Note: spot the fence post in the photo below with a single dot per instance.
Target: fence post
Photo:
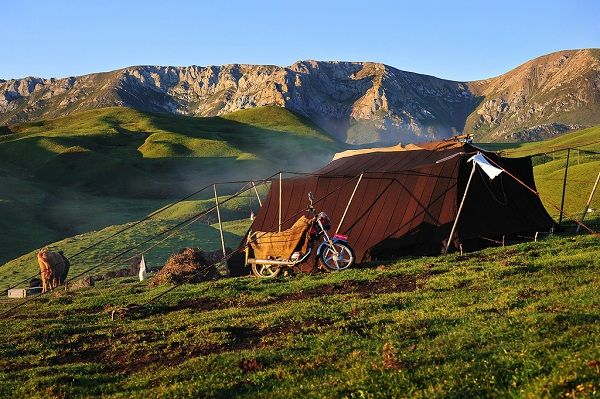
(562, 201)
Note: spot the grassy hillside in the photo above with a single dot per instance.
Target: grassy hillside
(202, 233)
(519, 321)
(98, 168)
(579, 138)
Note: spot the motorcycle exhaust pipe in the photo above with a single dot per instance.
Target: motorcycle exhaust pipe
(270, 262)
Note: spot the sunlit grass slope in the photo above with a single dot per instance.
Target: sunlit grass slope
(109, 166)
(520, 321)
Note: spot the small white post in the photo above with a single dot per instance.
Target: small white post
(256, 192)
(142, 274)
(460, 208)
(588, 203)
(348, 205)
(219, 218)
(280, 190)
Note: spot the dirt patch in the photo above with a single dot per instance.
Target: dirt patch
(383, 285)
(365, 289)
(250, 365)
(132, 351)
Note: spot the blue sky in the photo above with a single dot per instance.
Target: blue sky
(460, 40)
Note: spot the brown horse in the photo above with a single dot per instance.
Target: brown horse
(54, 267)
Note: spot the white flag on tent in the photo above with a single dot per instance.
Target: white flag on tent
(487, 167)
(143, 272)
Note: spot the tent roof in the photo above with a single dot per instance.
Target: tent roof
(392, 161)
(433, 145)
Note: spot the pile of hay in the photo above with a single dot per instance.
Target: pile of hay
(189, 264)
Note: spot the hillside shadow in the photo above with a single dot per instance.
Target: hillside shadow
(265, 142)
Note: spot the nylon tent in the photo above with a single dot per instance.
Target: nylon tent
(407, 200)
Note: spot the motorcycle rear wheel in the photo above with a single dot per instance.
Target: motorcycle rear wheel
(345, 257)
(265, 271)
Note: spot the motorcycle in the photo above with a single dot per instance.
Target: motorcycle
(334, 253)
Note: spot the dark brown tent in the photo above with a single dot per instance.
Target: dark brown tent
(407, 201)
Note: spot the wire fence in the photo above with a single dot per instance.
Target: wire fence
(567, 177)
(239, 202)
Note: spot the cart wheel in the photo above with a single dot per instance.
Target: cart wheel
(344, 259)
(265, 271)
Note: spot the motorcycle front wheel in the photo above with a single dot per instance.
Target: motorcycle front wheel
(265, 271)
(344, 259)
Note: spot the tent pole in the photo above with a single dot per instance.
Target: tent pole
(589, 202)
(348, 205)
(562, 201)
(219, 217)
(280, 184)
(462, 202)
(256, 192)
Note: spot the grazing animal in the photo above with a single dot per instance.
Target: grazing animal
(53, 268)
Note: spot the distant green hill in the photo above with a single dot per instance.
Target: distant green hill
(103, 167)
(588, 139)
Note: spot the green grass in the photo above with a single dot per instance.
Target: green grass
(520, 321)
(109, 166)
(202, 233)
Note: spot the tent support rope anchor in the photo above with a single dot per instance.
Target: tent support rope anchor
(280, 190)
(462, 202)
(589, 202)
(219, 218)
(349, 202)
(256, 192)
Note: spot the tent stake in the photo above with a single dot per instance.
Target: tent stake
(256, 192)
(280, 184)
(348, 205)
(562, 201)
(219, 217)
(589, 202)
(462, 202)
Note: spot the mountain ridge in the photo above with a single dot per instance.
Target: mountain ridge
(356, 102)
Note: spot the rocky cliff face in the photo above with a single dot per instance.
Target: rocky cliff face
(543, 97)
(356, 102)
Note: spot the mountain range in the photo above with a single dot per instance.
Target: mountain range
(357, 103)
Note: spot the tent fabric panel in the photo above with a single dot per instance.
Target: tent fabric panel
(368, 195)
(500, 206)
(372, 206)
